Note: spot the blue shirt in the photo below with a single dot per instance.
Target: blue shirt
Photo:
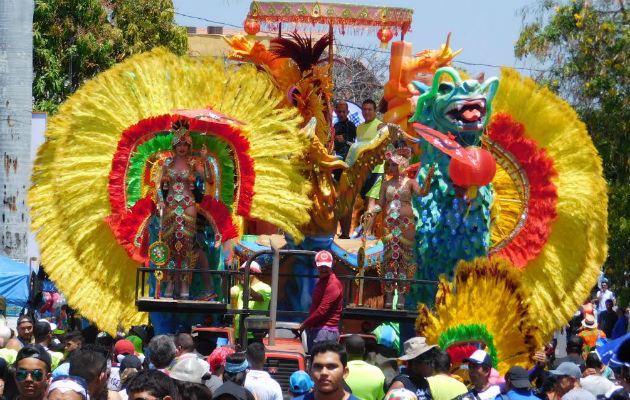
(311, 396)
(518, 394)
(620, 328)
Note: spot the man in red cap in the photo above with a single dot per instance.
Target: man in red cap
(122, 348)
(325, 312)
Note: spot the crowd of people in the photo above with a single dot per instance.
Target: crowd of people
(164, 367)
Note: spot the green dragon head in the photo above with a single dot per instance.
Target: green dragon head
(462, 108)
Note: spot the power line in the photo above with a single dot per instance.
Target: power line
(363, 48)
(207, 20)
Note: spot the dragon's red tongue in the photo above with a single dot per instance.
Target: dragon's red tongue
(471, 114)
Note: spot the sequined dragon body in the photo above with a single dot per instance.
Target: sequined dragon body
(451, 226)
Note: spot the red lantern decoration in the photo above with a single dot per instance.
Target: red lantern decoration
(479, 174)
(385, 35)
(252, 27)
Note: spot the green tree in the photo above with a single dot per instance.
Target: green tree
(74, 40)
(586, 47)
(149, 23)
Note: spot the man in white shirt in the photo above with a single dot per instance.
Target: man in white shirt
(479, 368)
(258, 381)
(603, 295)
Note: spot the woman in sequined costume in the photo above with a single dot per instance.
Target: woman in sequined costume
(179, 208)
(395, 198)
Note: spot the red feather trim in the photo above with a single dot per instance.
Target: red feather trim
(145, 130)
(131, 138)
(133, 224)
(460, 352)
(219, 216)
(538, 166)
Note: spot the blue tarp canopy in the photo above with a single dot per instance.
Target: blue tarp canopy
(14, 281)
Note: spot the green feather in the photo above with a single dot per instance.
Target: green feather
(218, 151)
(137, 163)
(469, 333)
(221, 151)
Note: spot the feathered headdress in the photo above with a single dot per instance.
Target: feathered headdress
(399, 156)
(485, 307)
(300, 49)
(179, 129)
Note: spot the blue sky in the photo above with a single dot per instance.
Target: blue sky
(485, 29)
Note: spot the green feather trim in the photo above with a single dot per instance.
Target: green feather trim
(469, 333)
(137, 163)
(222, 153)
(218, 151)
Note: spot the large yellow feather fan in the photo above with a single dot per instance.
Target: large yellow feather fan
(69, 197)
(567, 245)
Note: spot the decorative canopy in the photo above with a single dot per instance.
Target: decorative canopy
(338, 15)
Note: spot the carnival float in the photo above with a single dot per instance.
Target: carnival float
(173, 164)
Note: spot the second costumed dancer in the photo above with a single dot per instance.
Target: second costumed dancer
(400, 229)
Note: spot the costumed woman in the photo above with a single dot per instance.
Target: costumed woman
(178, 210)
(400, 229)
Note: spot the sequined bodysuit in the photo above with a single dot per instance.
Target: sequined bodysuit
(399, 259)
(179, 225)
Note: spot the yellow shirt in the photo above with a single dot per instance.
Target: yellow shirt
(365, 380)
(443, 387)
(236, 293)
(368, 130)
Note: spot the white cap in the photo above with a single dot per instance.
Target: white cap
(254, 267)
(480, 357)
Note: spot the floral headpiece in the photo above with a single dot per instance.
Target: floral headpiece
(180, 132)
(399, 156)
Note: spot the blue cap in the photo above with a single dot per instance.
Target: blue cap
(61, 370)
(300, 382)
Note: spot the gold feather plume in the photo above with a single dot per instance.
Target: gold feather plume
(563, 273)
(69, 196)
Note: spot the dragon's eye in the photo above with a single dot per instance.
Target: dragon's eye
(445, 87)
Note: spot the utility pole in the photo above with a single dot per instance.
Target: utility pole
(16, 76)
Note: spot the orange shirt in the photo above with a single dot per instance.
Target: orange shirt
(590, 337)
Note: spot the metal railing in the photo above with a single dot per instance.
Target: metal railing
(228, 280)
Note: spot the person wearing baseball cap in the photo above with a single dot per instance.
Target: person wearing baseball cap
(300, 383)
(32, 372)
(517, 384)
(479, 369)
(122, 348)
(259, 293)
(24, 333)
(567, 385)
(325, 312)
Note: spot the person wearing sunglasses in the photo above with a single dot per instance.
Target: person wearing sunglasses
(32, 372)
